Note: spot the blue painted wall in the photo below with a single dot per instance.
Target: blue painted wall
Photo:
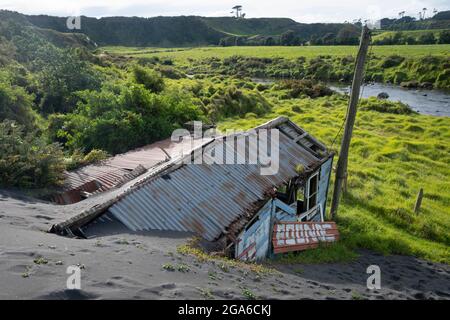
(254, 243)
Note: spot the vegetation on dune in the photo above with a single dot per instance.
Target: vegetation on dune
(122, 116)
(228, 31)
(27, 160)
(438, 21)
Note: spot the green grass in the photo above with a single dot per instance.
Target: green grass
(391, 158)
(183, 54)
(413, 33)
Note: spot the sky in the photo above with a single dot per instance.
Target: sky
(306, 11)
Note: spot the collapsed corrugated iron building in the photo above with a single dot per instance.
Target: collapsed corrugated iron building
(233, 205)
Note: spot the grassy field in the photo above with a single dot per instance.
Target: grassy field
(391, 158)
(413, 33)
(183, 54)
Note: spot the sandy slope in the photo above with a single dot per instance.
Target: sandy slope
(124, 265)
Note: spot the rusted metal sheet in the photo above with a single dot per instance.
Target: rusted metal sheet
(207, 198)
(210, 200)
(119, 169)
(297, 236)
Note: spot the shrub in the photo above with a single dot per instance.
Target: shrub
(170, 72)
(400, 77)
(385, 106)
(443, 79)
(16, 104)
(26, 160)
(444, 37)
(230, 101)
(298, 88)
(427, 38)
(392, 61)
(151, 80)
(119, 121)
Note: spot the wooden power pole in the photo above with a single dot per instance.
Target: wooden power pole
(341, 170)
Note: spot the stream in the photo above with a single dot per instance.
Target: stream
(432, 102)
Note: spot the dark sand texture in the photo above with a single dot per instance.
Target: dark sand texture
(117, 264)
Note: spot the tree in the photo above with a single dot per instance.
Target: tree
(444, 37)
(427, 38)
(269, 41)
(61, 73)
(287, 38)
(348, 35)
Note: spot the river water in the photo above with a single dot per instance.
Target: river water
(433, 102)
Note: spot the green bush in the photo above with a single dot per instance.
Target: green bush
(443, 79)
(230, 101)
(78, 158)
(26, 160)
(392, 61)
(16, 104)
(400, 76)
(151, 80)
(121, 117)
(297, 88)
(385, 106)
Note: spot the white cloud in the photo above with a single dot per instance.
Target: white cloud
(302, 11)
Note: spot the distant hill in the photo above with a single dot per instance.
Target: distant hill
(13, 24)
(20, 40)
(441, 20)
(191, 30)
(183, 31)
(134, 31)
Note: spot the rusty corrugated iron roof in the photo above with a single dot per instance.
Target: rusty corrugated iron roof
(121, 168)
(207, 198)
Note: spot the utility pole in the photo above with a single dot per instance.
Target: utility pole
(341, 170)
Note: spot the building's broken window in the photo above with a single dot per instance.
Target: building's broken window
(312, 191)
(301, 200)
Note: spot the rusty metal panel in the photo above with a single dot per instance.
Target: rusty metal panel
(121, 168)
(297, 236)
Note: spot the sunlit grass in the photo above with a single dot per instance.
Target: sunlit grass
(184, 54)
(391, 158)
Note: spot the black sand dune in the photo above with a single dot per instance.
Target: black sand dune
(116, 264)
